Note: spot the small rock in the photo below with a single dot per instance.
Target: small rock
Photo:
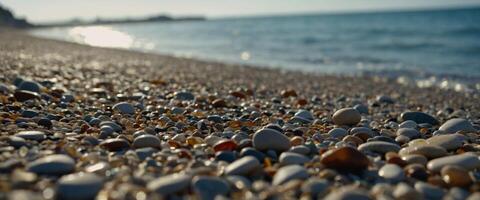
(57, 164)
(449, 141)
(315, 187)
(242, 166)
(338, 133)
(404, 192)
(290, 158)
(385, 99)
(419, 118)
(408, 124)
(208, 187)
(169, 184)
(345, 158)
(346, 116)
(468, 161)
(303, 116)
(115, 144)
(348, 193)
(32, 135)
(429, 151)
(16, 142)
(31, 86)
(408, 132)
(429, 191)
(124, 108)
(457, 124)
(270, 139)
(23, 95)
(362, 109)
(184, 96)
(146, 140)
(79, 186)
(288, 173)
(456, 176)
(379, 147)
(392, 173)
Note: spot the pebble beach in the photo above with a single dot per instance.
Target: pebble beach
(80, 122)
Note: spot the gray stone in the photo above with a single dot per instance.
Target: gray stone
(303, 116)
(427, 150)
(208, 187)
(468, 161)
(379, 147)
(429, 191)
(346, 116)
(57, 164)
(457, 124)
(419, 118)
(392, 173)
(124, 108)
(338, 133)
(16, 142)
(290, 158)
(288, 173)
(169, 184)
(408, 124)
(79, 186)
(449, 141)
(348, 193)
(184, 96)
(242, 166)
(31, 135)
(31, 86)
(270, 139)
(408, 132)
(146, 140)
(315, 187)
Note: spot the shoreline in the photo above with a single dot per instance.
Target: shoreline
(119, 124)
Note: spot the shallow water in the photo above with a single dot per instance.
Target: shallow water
(419, 44)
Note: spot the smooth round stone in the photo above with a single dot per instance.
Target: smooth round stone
(29, 113)
(184, 96)
(457, 194)
(115, 144)
(45, 122)
(290, 158)
(242, 166)
(249, 151)
(361, 130)
(345, 159)
(288, 173)
(108, 130)
(303, 116)
(57, 164)
(415, 158)
(392, 173)
(145, 152)
(225, 145)
(346, 116)
(408, 132)
(379, 147)
(405, 192)
(429, 151)
(429, 191)
(169, 184)
(270, 139)
(348, 193)
(408, 124)
(16, 142)
(338, 133)
(449, 142)
(401, 139)
(31, 135)
(457, 124)
(115, 126)
(31, 86)
(208, 187)
(239, 182)
(469, 161)
(419, 118)
(315, 187)
(227, 156)
(300, 149)
(79, 186)
(146, 140)
(385, 99)
(456, 176)
(23, 95)
(124, 108)
(362, 109)
(417, 142)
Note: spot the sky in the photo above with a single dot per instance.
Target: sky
(39, 11)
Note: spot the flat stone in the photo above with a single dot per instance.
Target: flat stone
(16, 142)
(115, 126)
(379, 147)
(79, 186)
(184, 96)
(408, 132)
(146, 140)
(468, 161)
(315, 187)
(57, 164)
(303, 116)
(31, 135)
(429, 191)
(457, 124)
(338, 133)
(449, 141)
(124, 108)
(456, 176)
(419, 117)
(405, 191)
(270, 139)
(345, 159)
(348, 193)
(288, 173)
(392, 173)
(290, 158)
(300, 149)
(429, 151)
(362, 109)
(23, 95)
(242, 166)
(115, 144)
(31, 86)
(208, 187)
(346, 116)
(415, 158)
(408, 124)
(169, 184)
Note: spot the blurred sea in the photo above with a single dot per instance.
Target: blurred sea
(427, 48)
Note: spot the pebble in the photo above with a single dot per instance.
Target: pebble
(429, 151)
(56, 164)
(303, 116)
(415, 158)
(315, 187)
(468, 161)
(345, 158)
(184, 96)
(449, 141)
(288, 173)
(169, 184)
(429, 191)
(290, 158)
(16, 141)
(456, 176)
(408, 124)
(208, 187)
(346, 116)
(457, 124)
(124, 108)
(408, 132)
(146, 140)
(23, 95)
(379, 147)
(242, 166)
(31, 135)
(79, 186)
(405, 192)
(338, 133)
(349, 193)
(419, 117)
(115, 144)
(270, 139)
(362, 109)
(31, 86)
(392, 173)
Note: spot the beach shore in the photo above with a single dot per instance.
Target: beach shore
(200, 112)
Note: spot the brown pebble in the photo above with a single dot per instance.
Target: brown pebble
(225, 145)
(219, 103)
(23, 95)
(345, 159)
(456, 176)
(288, 93)
(115, 144)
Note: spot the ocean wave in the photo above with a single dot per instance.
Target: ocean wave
(464, 31)
(406, 46)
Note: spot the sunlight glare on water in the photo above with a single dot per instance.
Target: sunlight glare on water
(101, 36)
